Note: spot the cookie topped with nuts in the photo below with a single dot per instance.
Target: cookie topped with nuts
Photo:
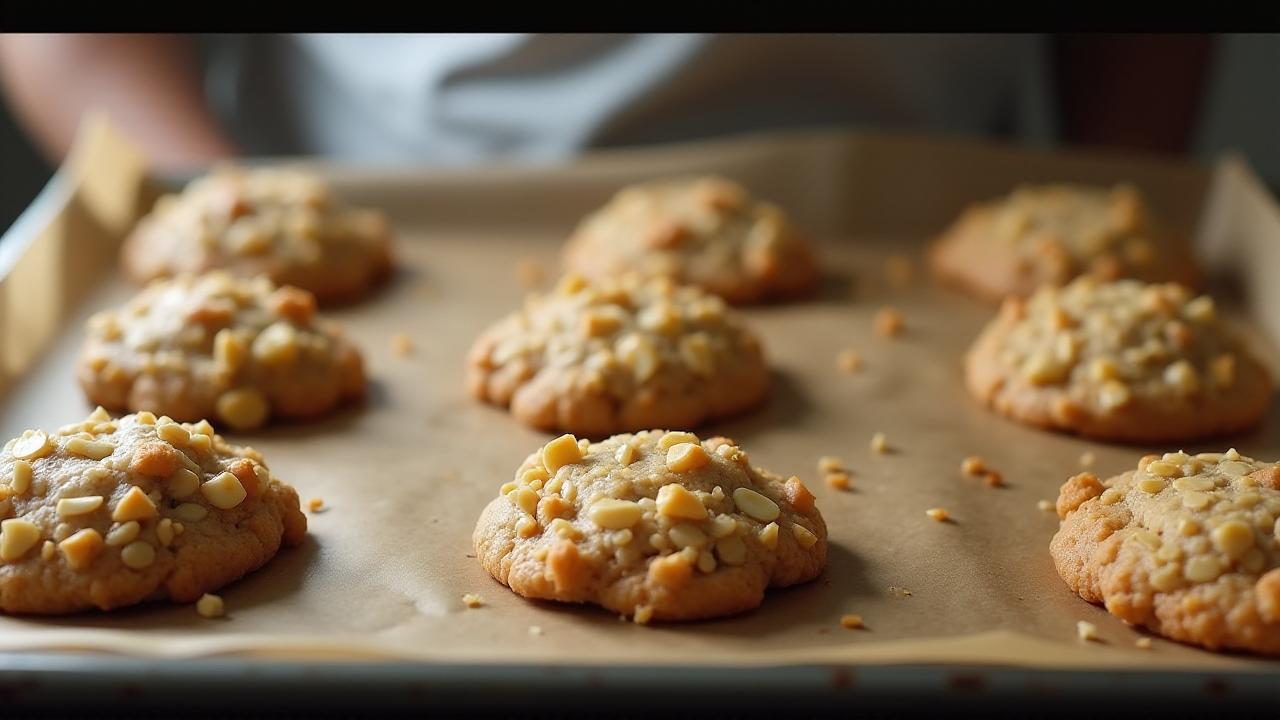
(1185, 545)
(284, 223)
(621, 355)
(107, 513)
(215, 346)
(1122, 360)
(656, 526)
(1051, 234)
(705, 231)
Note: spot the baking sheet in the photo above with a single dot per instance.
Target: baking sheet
(404, 477)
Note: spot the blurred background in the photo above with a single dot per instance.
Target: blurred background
(455, 100)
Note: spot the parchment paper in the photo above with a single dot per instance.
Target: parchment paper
(405, 476)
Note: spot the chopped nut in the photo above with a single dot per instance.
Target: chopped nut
(706, 563)
(164, 532)
(1233, 538)
(48, 551)
(123, 534)
(527, 527)
(183, 483)
(879, 443)
(769, 535)
(472, 600)
(315, 504)
(614, 514)
(684, 535)
(722, 526)
(92, 449)
(33, 445)
(839, 481)
(830, 464)
(889, 322)
(851, 621)
(1044, 505)
(562, 451)
(276, 345)
(535, 630)
(804, 535)
(671, 439)
(174, 434)
(755, 505)
(81, 548)
(243, 408)
(210, 606)
(1142, 643)
(135, 505)
(973, 466)
(71, 507)
(731, 550)
(643, 614)
(677, 502)
(138, 555)
(1087, 459)
(686, 457)
(17, 536)
(224, 491)
(849, 361)
(992, 478)
(1087, 631)
(938, 514)
(21, 480)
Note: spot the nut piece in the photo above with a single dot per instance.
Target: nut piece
(81, 548)
(889, 322)
(1142, 643)
(17, 536)
(92, 449)
(123, 534)
(224, 491)
(677, 502)
(839, 481)
(243, 408)
(135, 505)
(1087, 631)
(210, 606)
(804, 536)
(849, 361)
(617, 514)
(851, 621)
(671, 439)
(769, 536)
(755, 505)
(190, 512)
(879, 443)
(138, 555)
(973, 466)
(562, 451)
(71, 507)
(33, 445)
(472, 600)
(938, 514)
(21, 480)
(686, 457)
(315, 504)
(183, 483)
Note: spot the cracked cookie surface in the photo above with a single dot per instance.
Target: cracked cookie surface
(107, 513)
(656, 526)
(1122, 360)
(284, 223)
(1186, 545)
(619, 355)
(1050, 234)
(705, 231)
(236, 351)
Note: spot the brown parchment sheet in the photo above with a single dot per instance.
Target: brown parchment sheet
(405, 476)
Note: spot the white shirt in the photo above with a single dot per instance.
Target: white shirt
(464, 99)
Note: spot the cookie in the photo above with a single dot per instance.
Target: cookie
(657, 526)
(236, 351)
(1122, 360)
(107, 513)
(1184, 545)
(1051, 234)
(705, 231)
(283, 223)
(618, 356)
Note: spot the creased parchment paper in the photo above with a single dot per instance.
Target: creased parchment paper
(405, 476)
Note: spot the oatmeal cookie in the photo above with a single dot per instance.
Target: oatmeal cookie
(1051, 234)
(107, 513)
(705, 231)
(657, 526)
(1122, 360)
(283, 223)
(618, 356)
(233, 350)
(1186, 545)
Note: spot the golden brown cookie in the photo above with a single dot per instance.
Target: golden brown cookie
(657, 525)
(107, 513)
(705, 231)
(237, 351)
(1123, 360)
(1185, 545)
(1051, 234)
(620, 355)
(283, 223)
